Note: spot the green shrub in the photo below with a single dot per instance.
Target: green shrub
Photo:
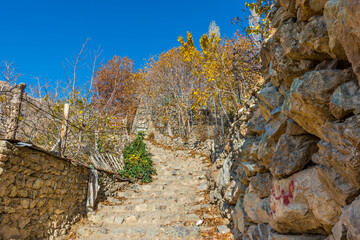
(137, 160)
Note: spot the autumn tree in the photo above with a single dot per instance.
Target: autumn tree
(115, 87)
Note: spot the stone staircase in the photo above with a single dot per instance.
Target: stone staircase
(173, 206)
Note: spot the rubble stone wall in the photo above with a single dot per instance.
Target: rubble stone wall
(41, 195)
(291, 167)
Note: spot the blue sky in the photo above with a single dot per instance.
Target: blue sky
(39, 35)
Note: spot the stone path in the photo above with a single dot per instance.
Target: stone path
(174, 206)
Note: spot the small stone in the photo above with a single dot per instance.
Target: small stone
(198, 223)
(223, 229)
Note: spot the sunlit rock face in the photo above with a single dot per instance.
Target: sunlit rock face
(298, 174)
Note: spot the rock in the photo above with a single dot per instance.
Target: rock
(240, 218)
(290, 33)
(294, 129)
(307, 102)
(261, 184)
(269, 98)
(280, 16)
(300, 204)
(286, 69)
(338, 149)
(343, 24)
(349, 225)
(290, 6)
(266, 150)
(277, 236)
(276, 124)
(345, 100)
(234, 191)
(257, 209)
(259, 232)
(223, 229)
(315, 36)
(256, 125)
(309, 8)
(337, 187)
(292, 154)
(224, 178)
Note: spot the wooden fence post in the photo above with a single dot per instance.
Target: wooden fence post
(14, 111)
(63, 133)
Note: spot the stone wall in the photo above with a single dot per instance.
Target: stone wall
(41, 195)
(291, 167)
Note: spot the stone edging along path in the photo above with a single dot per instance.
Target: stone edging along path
(174, 206)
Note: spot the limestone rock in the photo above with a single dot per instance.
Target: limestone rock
(292, 154)
(343, 23)
(315, 36)
(300, 204)
(261, 184)
(307, 102)
(349, 225)
(256, 208)
(345, 100)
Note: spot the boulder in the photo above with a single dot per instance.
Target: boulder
(261, 184)
(337, 187)
(287, 69)
(292, 154)
(349, 225)
(240, 218)
(277, 236)
(234, 191)
(276, 124)
(266, 150)
(257, 209)
(269, 98)
(294, 129)
(290, 6)
(314, 35)
(339, 148)
(343, 24)
(280, 16)
(307, 102)
(299, 204)
(256, 125)
(346, 100)
(225, 175)
(308, 8)
(290, 33)
(259, 231)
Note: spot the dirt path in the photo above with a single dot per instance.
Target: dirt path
(174, 206)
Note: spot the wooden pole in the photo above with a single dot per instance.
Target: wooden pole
(15, 106)
(64, 129)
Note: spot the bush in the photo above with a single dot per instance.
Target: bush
(137, 160)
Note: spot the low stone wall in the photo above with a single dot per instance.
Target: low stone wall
(41, 195)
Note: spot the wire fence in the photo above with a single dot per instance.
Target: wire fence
(83, 133)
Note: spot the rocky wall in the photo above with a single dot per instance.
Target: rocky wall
(41, 195)
(291, 167)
